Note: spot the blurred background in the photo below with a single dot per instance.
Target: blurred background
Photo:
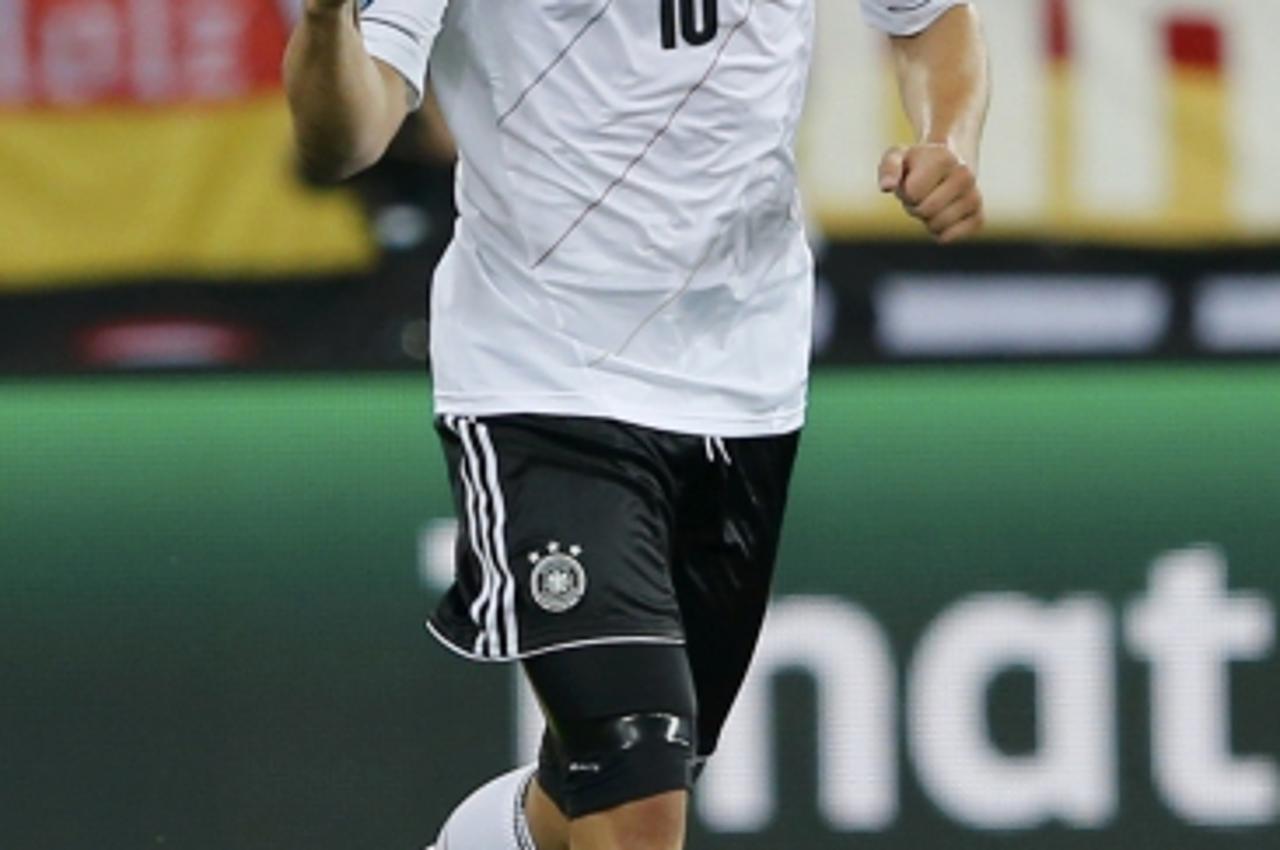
(1028, 587)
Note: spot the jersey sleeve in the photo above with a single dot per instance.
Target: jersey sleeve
(401, 33)
(905, 17)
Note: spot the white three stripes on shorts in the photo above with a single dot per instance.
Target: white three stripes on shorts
(494, 609)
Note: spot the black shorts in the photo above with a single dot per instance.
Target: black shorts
(586, 532)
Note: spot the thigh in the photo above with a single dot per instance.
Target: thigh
(564, 540)
(726, 544)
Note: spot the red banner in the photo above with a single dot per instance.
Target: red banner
(69, 53)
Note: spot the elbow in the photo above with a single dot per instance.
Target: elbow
(341, 122)
(326, 166)
(329, 151)
(330, 144)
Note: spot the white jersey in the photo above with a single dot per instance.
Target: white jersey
(630, 243)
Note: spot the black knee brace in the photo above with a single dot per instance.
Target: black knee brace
(591, 766)
(620, 725)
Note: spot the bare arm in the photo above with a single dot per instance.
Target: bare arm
(346, 106)
(943, 77)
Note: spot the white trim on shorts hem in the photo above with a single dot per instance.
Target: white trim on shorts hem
(556, 647)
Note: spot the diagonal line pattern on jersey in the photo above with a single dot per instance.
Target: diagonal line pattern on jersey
(560, 57)
(661, 131)
(657, 311)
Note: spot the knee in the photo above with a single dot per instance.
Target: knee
(653, 823)
(657, 821)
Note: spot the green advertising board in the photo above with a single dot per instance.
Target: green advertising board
(1020, 606)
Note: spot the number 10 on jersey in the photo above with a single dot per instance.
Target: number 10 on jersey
(695, 29)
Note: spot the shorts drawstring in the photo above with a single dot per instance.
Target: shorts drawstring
(717, 450)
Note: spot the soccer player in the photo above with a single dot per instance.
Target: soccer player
(620, 346)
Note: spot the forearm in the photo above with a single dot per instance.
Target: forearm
(344, 105)
(944, 80)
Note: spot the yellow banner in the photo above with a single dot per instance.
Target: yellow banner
(110, 194)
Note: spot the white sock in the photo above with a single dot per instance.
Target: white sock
(492, 818)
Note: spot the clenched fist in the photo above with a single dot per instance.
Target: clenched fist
(935, 186)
